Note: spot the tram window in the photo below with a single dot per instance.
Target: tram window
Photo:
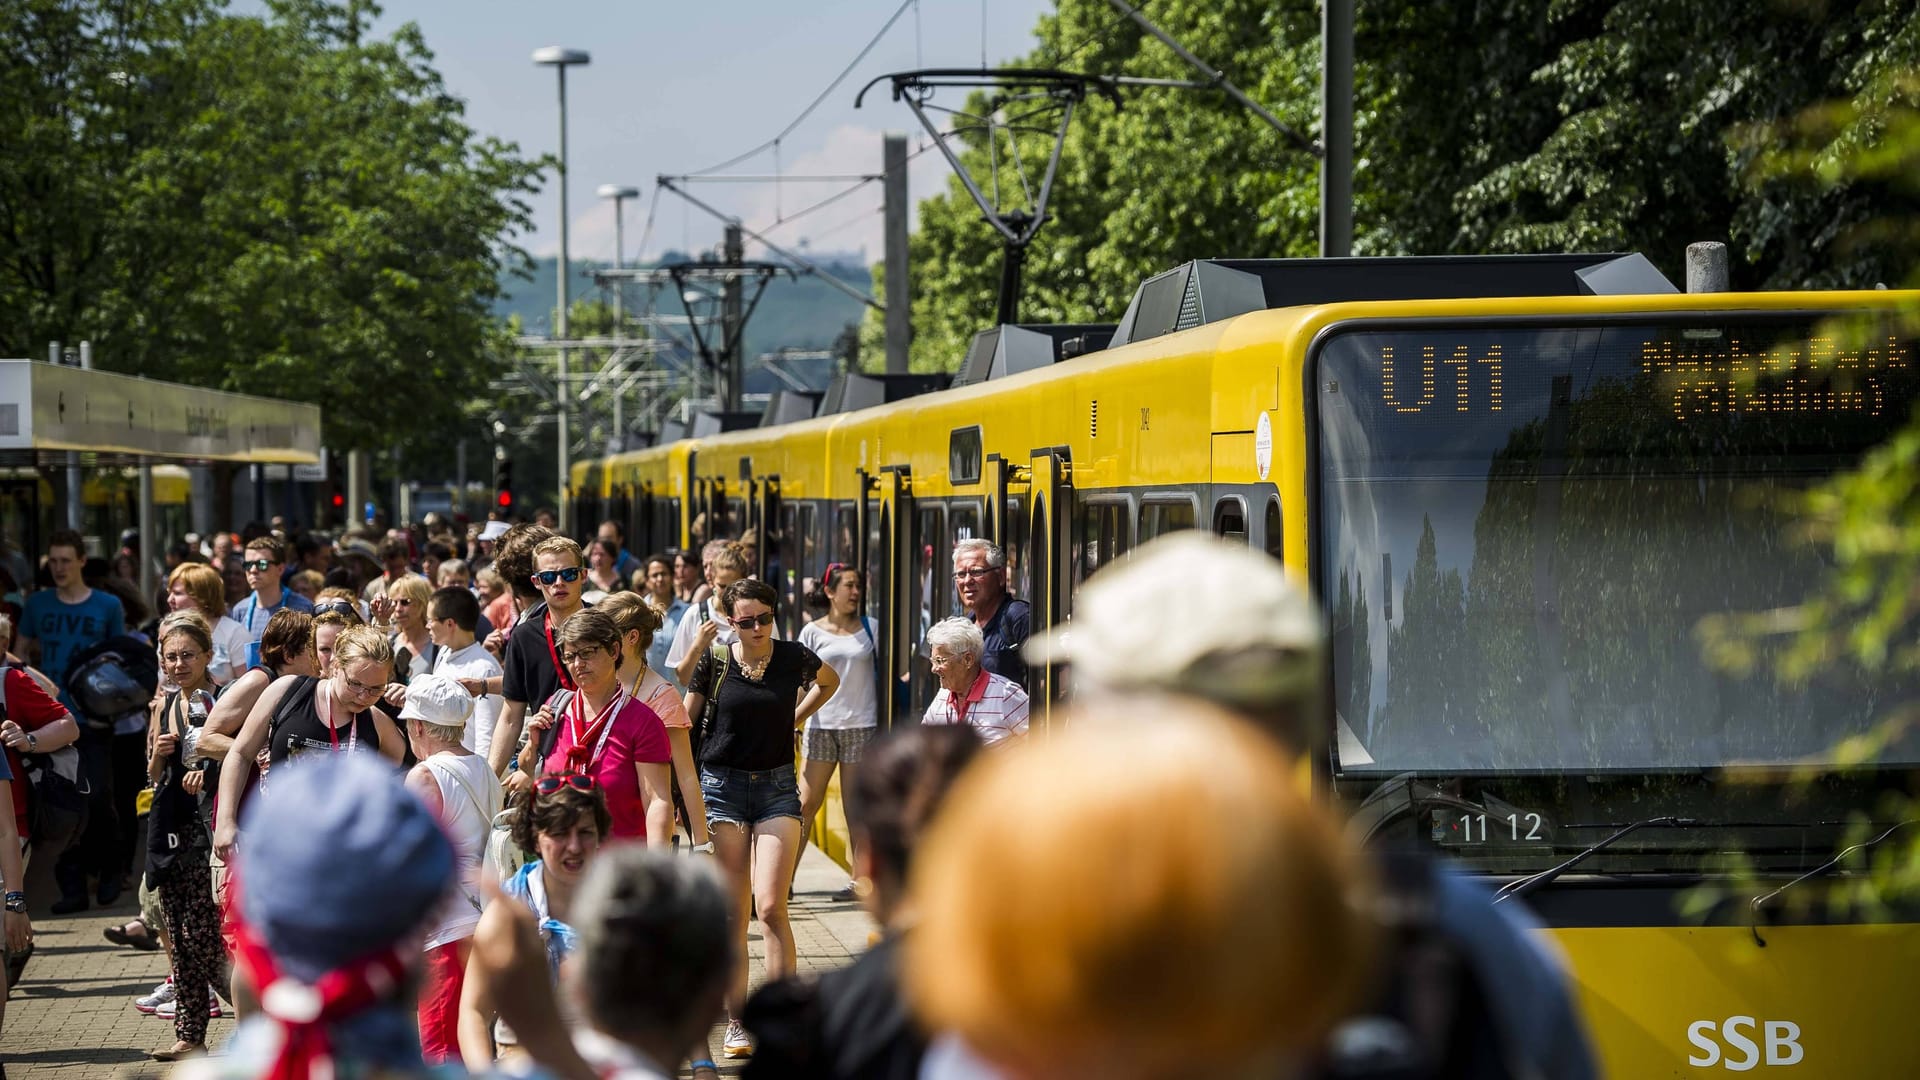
(1274, 531)
(878, 568)
(804, 528)
(1019, 583)
(736, 522)
(1230, 520)
(1103, 536)
(1160, 518)
(931, 571)
(845, 521)
(793, 573)
(963, 524)
(1038, 566)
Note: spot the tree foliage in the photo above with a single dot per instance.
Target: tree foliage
(1485, 126)
(279, 205)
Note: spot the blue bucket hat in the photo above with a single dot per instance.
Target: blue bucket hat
(340, 860)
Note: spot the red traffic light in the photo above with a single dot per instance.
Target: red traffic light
(339, 501)
(506, 498)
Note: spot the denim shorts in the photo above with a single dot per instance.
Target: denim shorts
(749, 797)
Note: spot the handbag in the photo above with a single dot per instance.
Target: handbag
(174, 826)
(57, 788)
(722, 656)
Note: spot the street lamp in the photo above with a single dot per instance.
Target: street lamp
(560, 60)
(619, 194)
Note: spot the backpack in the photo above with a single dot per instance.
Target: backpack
(57, 788)
(111, 680)
(1429, 1016)
(722, 656)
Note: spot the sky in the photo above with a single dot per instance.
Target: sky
(677, 86)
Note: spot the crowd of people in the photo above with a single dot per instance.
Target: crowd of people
(498, 801)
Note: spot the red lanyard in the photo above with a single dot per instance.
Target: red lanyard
(602, 725)
(325, 709)
(553, 653)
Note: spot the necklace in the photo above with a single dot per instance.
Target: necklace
(754, 671)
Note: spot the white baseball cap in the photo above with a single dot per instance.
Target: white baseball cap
(1191, 614)
(437, 699)
(494, 530)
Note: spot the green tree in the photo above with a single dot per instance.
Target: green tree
(279, 205)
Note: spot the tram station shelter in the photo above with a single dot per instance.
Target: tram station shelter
(99, 451)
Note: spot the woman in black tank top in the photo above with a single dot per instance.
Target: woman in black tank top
(296, 727)
(300, 714)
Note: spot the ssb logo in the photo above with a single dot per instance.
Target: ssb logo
(1781, 1039)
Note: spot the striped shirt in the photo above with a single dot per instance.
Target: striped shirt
(995, 706)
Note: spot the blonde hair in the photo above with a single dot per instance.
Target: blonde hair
(205, 584)
(362, 643)
(630, 611)
(557, 545)
(411, 587)
(190, 623)
(1070, 925)
(733, 559)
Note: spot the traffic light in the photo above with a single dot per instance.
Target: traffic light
(503, 481)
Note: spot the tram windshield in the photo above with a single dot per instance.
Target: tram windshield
(1523, 528)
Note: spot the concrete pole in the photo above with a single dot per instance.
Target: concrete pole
(147, 537)
(899, 328)
(1707, 269)
(730, 317)
(561, 387)
(460, 476)
(1336, 128)
(357, 486)
(76, 479)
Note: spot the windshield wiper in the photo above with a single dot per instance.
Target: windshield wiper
(1760, 902)
(1527, 884)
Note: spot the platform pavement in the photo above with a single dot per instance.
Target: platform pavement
(71, 1017)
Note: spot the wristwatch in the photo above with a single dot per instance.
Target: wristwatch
(33, 741)
(17, 903)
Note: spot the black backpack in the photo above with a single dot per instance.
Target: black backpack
(1429, 1015)
(111, 679)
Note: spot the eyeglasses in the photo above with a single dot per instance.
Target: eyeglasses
(335, 607)
(572, 658)
(181, 657)
(938, 661)
(257, 564)
(403, 601)
(974, 575)
(548, 577)
(765, 618)
(580, 782)
(360, 689)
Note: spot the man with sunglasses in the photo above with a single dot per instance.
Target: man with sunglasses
(263, 560)
(532, 660)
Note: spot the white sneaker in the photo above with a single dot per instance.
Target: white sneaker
(172, 1008)
(161, 995)
(736, 1044)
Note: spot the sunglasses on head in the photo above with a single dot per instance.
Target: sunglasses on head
(765, 618)
(335, 607)
(256, 564)
(580, 782)
(548, 577)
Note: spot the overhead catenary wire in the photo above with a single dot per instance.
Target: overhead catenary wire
(818, 100)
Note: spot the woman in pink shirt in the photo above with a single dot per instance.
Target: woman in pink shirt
(638, 622)
(602, 731)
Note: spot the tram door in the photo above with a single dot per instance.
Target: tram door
(1049, 570)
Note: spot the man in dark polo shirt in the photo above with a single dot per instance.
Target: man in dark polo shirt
(532, 660)
(980, 577)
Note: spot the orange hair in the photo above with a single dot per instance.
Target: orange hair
(1104, 902)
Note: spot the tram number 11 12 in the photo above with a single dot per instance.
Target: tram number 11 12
(1453, 827)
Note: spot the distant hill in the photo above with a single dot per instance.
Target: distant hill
(806, 313)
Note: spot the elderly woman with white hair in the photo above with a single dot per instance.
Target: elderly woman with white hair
(995, 706)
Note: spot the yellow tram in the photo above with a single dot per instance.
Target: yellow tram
(1517, 497)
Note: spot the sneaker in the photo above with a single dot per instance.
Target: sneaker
(161, 995)
(172, 1008)
(736, 1044)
